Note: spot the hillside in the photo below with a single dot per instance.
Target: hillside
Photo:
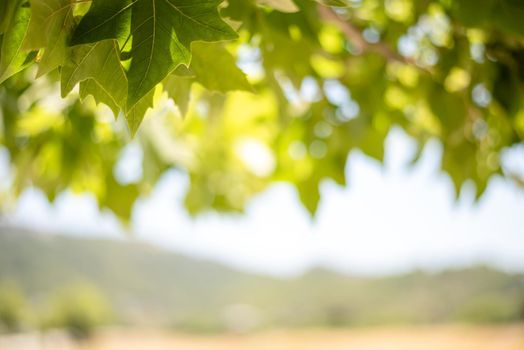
(150, 286)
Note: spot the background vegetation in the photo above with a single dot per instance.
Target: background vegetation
(71, 283)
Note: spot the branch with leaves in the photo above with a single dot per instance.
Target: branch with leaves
(271, 90)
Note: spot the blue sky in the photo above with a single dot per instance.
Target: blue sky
(389, 219)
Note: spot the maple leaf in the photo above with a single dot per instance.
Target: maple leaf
(158, 34)
(12, 57)
(50, 27)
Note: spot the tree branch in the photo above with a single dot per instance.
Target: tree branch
(354, 35)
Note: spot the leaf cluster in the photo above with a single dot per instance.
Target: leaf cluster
(272, 90)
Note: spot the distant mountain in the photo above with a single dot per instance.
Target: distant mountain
(148, 285)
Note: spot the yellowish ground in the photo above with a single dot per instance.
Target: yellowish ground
(413, 338)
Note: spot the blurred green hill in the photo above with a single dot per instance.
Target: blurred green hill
(148, 286)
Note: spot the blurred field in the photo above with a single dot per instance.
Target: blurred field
(412, 338)
(157, 300)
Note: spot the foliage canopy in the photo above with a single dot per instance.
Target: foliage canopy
(242, 93)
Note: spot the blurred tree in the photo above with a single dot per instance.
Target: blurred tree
(13, 311)
(80, 309)
(488, 309)
(521, 312)
(268, 90)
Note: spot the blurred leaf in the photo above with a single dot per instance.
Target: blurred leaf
(280, 5)
(215, 68)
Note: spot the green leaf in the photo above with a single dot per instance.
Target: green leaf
(50, 27)
(105, 20)
(99, 62)
(7, 9)
(91, 87)
(333, 3)
(161, 33)
(309, 194)
(449, 108)
(13, 58)
(240, 10)
(179, 89)
(280, 5)
(120, 198)
(136, 114)
(215, 68)
(505, 15)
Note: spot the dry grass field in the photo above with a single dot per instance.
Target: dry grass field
(412, 338)
(419, 338)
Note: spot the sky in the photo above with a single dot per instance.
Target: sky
(389, 219)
